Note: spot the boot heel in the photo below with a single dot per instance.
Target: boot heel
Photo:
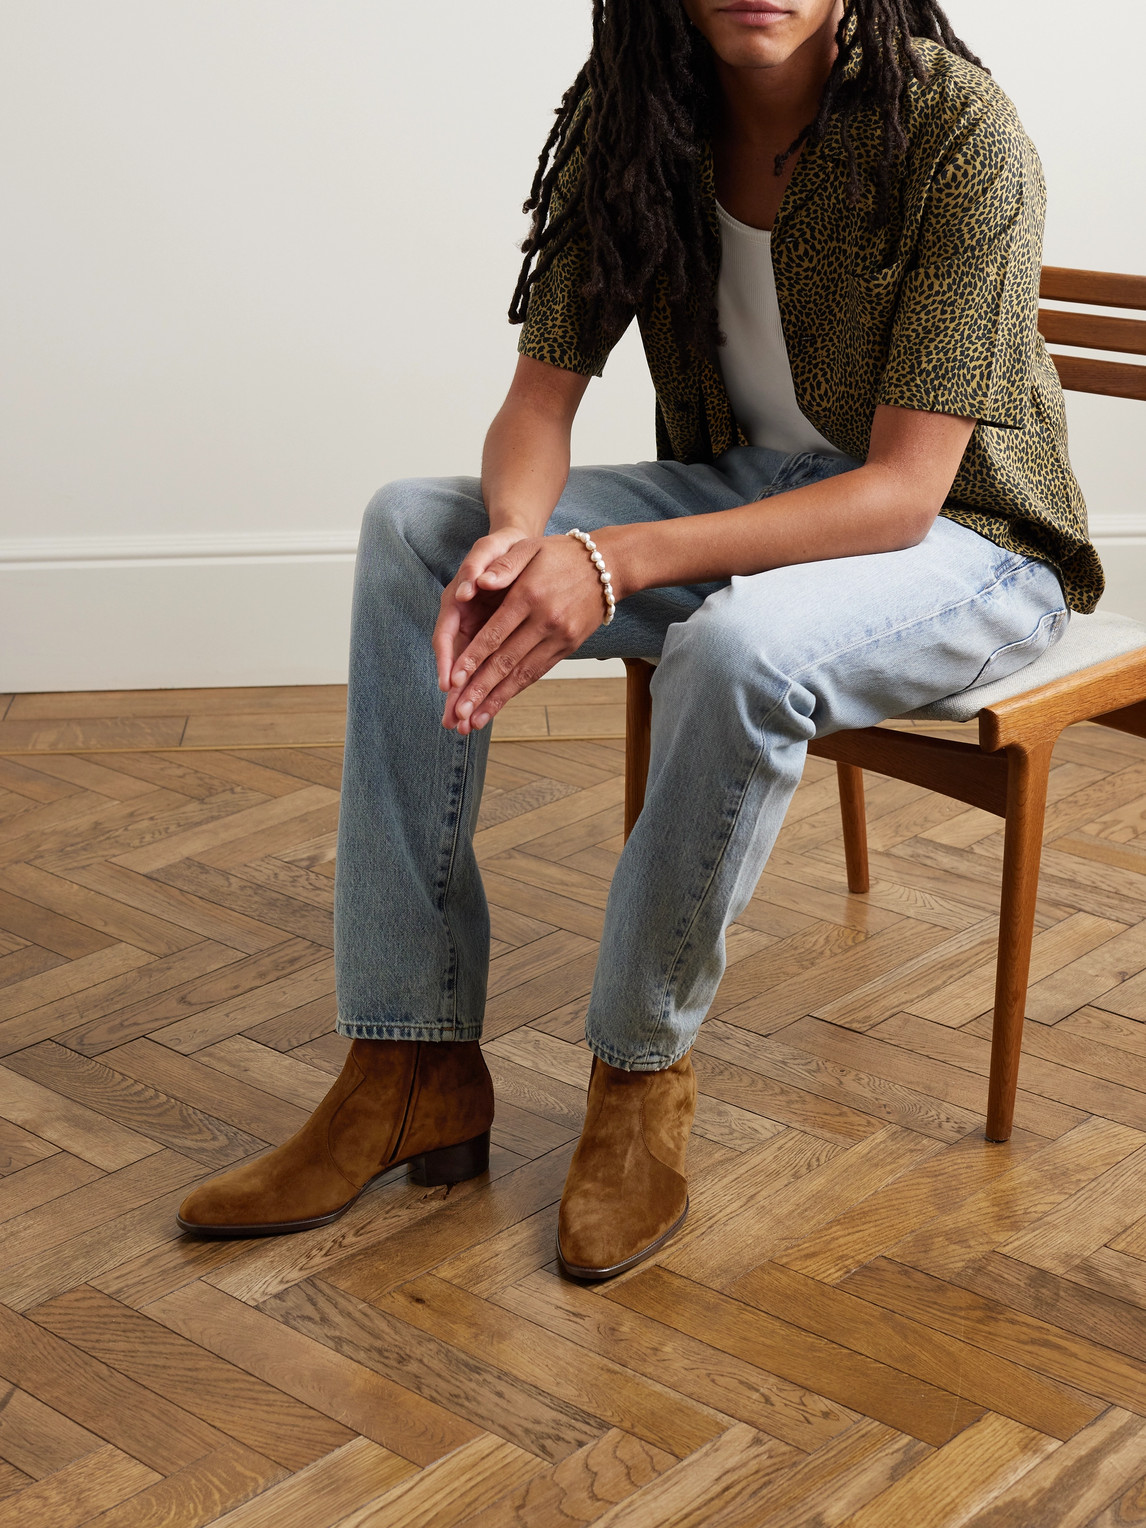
(452, 1164)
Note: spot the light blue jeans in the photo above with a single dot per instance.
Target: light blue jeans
(750, 671)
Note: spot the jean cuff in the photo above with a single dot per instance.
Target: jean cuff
(382, 1029)
(627, 1063)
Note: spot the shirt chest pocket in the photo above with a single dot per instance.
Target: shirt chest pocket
(869, 297)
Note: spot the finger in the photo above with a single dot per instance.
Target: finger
(485, 551)
(444, 641)
(496, 630)
(456, 626)
(533, 666)
(502, 570)
(501, 663)
(462, 702)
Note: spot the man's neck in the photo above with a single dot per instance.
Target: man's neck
(764, 107)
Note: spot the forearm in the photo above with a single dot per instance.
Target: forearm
(886, 505)
(525, 463)
(869, 510)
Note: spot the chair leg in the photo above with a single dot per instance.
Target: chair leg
(855, 826)
(638, 736)
(1026, 808)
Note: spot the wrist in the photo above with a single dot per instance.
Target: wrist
(600, 571)
(620, 547)
(516, 523)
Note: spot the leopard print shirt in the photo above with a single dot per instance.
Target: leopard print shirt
(937, 311)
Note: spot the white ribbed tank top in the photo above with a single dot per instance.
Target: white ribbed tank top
(757, 372)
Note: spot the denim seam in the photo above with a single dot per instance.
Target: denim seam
(933, 615)
(458, 815)
(384, 1029)
(1053, 616)
(625, 1063)
(721, 853)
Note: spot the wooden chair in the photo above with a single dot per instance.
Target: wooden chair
(1096, 672)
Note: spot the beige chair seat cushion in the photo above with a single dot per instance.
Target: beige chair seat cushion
(1088, 639)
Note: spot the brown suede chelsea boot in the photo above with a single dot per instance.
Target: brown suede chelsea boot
(395, 1101)
(627, 1192)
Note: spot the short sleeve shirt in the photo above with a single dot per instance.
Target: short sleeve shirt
(937, 311)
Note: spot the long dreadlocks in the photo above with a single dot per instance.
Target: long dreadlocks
(639, 111)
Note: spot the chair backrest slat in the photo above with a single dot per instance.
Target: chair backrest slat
(1102, 288)
(1093, 331)
(1114, 379)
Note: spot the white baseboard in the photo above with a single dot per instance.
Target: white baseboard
(167, 612)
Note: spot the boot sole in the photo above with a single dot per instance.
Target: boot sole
(429, 1169)
(598, 1275)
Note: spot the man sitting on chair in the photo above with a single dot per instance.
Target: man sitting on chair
(827, 219)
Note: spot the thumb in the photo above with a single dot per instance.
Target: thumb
(502, 571)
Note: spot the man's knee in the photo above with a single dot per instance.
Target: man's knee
(717, 659)
(713, 646)
(438, 519)
(398, 507)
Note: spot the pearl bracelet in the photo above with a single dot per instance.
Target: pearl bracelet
(599, 563)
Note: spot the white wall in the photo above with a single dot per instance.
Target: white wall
(257, 260)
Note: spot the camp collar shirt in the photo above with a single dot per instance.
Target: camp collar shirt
(936, 311)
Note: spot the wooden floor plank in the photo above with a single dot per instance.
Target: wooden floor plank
(78, 1492)
(37, 1439)
(959, 1480)
(931, 1187)
(998, 1385)
(720, 1253)
(391, 1212)
(724, 1381)
(20, 1149)
(197, 1494)
(109, 1011)
(912, 1406)
(1004, 1331)
(440, 1497)
(578, 1490)
(1076, 1481)
(39, 925)
(92, 1204)
(827, 1078)
(1016, 1199)
(534, 1352)
(220, 1393)
(89, 1392)
(183, 908)
(257, 903)
(165, 1120)
(519, 1411)
(844, 1474)
(71, 1125)
(871, 1316)
(223, 976)
(325, 1493)
(1090, 1313)
(354, 1395)
(122, 923)
(718, 1484)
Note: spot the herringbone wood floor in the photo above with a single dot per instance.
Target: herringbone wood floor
(871, 1318)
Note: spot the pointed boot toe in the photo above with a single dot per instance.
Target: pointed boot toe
(293, 1189)
(627, 1193)
(396, 1101)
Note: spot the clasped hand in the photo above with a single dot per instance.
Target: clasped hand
(517, 605)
